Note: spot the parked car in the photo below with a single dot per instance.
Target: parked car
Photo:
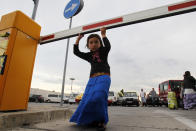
(130, 98)
(112, 98)
(119, 101)
(66, 99)
(53, 98)
(150, 101)
(36, 98)
(119, 98)
(79, 98)
(72, 98)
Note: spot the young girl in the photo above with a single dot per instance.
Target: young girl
(93, 106)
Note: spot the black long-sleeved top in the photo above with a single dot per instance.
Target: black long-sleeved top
(189, 82)
(97, 59)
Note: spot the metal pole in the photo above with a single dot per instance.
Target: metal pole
(35, 9)
(72, 79)
(71, 85)
(65, 66)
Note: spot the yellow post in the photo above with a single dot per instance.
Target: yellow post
(19, 37)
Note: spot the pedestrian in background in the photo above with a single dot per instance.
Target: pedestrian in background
(153, 95)
(93, 108)
(143, 97)
(189, 91)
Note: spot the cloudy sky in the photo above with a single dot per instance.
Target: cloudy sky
(142, 55)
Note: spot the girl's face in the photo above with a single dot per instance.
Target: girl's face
(94, 44)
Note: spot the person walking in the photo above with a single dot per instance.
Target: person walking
(143, 97)
(153, 96)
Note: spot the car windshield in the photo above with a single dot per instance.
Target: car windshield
(111, 93)
(73, 95)
(52, 95)
(36, 96)
(130, 94)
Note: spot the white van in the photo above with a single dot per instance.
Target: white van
(54, 98)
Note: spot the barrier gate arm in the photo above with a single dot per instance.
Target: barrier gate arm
(138, 17)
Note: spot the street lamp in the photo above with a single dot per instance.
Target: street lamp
(72, 79)
(35, 9)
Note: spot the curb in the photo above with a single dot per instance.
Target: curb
(29, 118)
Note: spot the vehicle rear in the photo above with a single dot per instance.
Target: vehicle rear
(78, 98)
(72, 98)
(168, 86)
(112, 98)
(153, 100)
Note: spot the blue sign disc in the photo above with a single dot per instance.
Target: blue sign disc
(73, 8)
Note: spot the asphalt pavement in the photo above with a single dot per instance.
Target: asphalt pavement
(128, 118)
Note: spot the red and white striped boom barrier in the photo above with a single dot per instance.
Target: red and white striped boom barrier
(142, 16)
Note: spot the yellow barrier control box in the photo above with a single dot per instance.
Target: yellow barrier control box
(19, 36)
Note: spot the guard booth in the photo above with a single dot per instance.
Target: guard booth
(19, 37)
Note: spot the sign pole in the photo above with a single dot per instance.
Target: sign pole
(71, 9)
(36, 2)
(65, 67)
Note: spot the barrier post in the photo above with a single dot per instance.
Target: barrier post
(19, 36)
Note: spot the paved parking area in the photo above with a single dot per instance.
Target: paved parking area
(129, 118)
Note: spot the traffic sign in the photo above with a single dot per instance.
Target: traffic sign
(73, 8)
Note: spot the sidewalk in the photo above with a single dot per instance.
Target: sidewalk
(36, 113)
(127, 119)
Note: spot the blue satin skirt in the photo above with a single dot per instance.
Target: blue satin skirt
(94, 104)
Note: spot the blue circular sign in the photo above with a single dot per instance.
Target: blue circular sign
(73, 8)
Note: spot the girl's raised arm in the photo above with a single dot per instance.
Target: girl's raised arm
(76, 50)
(105, 40)
(78, 38)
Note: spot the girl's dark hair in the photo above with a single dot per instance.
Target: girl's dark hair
(92, 36)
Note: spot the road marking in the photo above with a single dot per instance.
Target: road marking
(188, 122)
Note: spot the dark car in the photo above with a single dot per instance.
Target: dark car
(153, 101)
(36, 98)
(130, 98)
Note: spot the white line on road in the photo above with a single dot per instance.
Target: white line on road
(188, 122)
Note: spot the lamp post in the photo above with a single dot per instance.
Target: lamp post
(36, 2)
(72, 79)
